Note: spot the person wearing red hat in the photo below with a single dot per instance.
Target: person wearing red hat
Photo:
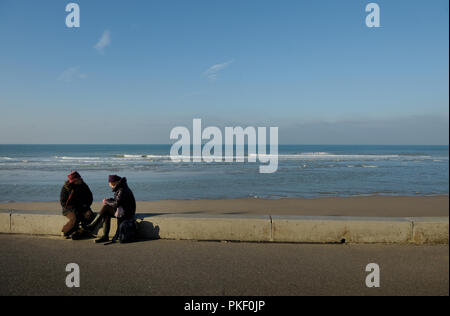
(76, 200)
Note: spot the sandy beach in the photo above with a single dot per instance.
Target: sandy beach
(379, 206)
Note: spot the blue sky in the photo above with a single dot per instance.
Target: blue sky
(136, 69)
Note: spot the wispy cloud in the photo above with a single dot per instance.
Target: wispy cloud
(214, 70)
(71, 74)
(103, 42)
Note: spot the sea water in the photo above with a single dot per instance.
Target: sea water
(37, 172)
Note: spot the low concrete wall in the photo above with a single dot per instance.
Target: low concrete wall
(5, 223)
(37, 223)
(341, 229)
(430, 230)
(232, 228)
(298, 229)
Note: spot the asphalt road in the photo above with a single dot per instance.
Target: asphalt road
(36, 266)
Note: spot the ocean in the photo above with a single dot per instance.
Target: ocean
(37, 172)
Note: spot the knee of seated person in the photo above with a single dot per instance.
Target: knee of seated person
(71, 216)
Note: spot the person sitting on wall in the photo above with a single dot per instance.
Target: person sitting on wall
(76, 200)
(122, 206)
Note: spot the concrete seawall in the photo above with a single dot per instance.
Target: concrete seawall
(295, 229)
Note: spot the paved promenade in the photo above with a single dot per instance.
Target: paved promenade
(36, 266)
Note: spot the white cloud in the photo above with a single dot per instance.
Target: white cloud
(213, 71)
(71, 74)
(103, 42)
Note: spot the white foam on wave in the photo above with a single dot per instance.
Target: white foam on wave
(320, 153)
(324, 156)
(131, 156)
(140, 156)
(362, 166)
(337, 156)
(298, 156)
(77, 158)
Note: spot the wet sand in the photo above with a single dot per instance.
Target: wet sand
(379, 206)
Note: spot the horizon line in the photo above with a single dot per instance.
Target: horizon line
(168, 144)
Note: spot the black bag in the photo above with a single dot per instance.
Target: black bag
(127, 231)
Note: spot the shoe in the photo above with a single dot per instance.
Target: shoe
(77, 236)
(102, 240)
(106, 229)
(86, 233)
(92, 226)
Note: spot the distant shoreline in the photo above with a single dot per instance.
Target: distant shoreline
(365, 206)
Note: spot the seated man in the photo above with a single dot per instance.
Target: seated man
(122, 206)
(76, 199)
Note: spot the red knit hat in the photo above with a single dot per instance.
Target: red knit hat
(73, 176)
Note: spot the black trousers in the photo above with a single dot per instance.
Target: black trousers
(107, 212)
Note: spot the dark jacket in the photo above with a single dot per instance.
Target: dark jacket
(76, 198)
(123, 197)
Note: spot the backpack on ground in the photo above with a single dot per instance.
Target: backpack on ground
(126, 231)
